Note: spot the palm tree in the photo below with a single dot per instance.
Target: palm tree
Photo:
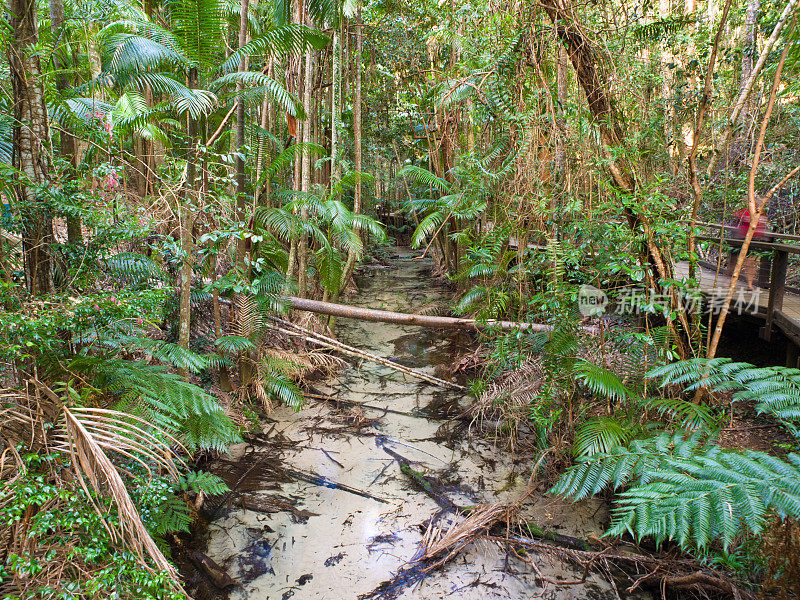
(143, 54)
(334, 229)
(453, 207)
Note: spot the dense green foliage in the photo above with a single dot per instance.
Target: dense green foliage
(172, 173)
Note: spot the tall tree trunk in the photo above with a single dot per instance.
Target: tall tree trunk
(357, 106)
(264, 154)
(31, 140)
(671, 133)
(749, 52)
(351, 255)
(62, 55)
(302, 248)
(241, 205)
(187, 224)
(336, 102)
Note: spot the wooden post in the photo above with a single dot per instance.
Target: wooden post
(792, 354)
(777, 286)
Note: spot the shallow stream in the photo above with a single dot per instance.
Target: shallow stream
(322, 509)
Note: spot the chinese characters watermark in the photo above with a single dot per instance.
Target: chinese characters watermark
(593, 302)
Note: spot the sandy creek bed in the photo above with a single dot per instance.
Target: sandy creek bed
(309, 540)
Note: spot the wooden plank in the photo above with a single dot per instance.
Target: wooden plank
(790, 327)
(777, 288)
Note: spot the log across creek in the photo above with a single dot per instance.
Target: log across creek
(431, 321)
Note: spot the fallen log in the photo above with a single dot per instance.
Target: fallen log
(323, 481)
(323, 341)
(398, 318)
(213, 571)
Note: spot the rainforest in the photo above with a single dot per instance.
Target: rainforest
(370, 299)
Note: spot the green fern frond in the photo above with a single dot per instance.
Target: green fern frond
(600, 380)
(424, 177)
(164, 352)
(197, 481)
(233, 344)
(163, 398)
(172, 516)
(774, 390)
(272, 377)
(686, 414)
(714, 496)
(621, 466)
(133, 269)
(471, 300)
(601, 435)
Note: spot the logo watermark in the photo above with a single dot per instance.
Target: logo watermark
(592, 301)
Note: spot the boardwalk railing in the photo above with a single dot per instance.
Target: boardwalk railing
(777, 277)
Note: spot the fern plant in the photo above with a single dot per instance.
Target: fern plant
(161, 397)
(262, 376)
(687, 488)
(773, 390)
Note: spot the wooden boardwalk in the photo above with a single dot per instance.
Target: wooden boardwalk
(712, 284)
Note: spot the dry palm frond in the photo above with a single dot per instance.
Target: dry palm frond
(433, 308)
(126, 435)
(299, 364)
(23, 414)
(446, 544)
(249, 317)
(84, 433)
(508, 399)
(311, 322)
(91, 463)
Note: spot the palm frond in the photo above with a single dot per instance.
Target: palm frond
(93, 465)
(285, 100)
(424, 177)
(278, 41)
(600, 380)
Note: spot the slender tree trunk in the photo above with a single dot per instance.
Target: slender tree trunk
(351, 255)
(62, 56)
(264, 155)
(186, 226)
(241, 204)
(749, 52)
(357, 106)
(302, 247)
(30, 142)
(336, 101)
(224, 376)
(667, 83)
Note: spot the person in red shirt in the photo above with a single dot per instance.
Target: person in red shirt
(750, 265)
